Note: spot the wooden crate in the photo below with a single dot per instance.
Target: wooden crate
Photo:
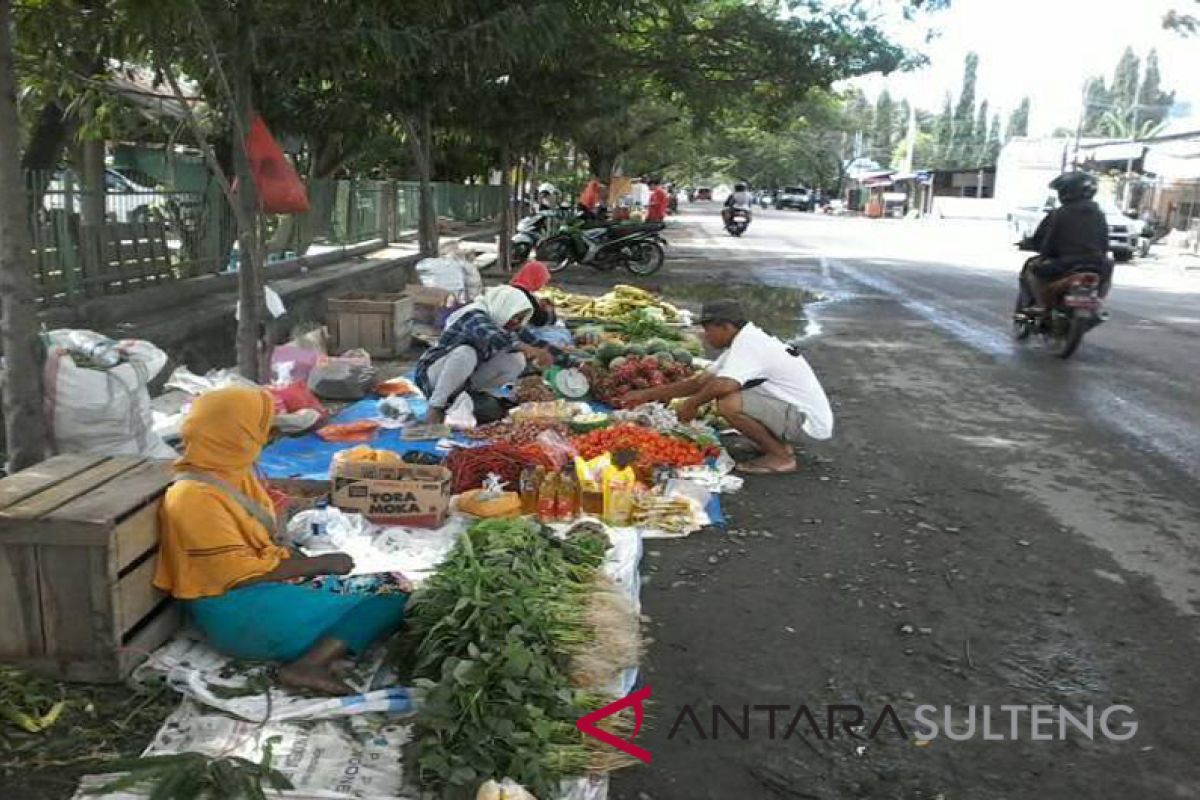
(380, 323)
(78, 547)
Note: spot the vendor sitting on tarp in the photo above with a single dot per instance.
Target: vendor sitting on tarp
(251, 597)
(543, 329)
(480, 350)
(763, 388)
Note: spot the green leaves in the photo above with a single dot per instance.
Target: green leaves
(195, 776)
(492, 630)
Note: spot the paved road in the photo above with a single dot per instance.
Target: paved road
(989, 526)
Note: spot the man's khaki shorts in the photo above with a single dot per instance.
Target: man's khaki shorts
(780, 417)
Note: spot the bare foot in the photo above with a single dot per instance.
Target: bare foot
(435, 416)
(316, 679)
(769, 465)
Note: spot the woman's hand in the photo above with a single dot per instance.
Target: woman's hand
(332, 564)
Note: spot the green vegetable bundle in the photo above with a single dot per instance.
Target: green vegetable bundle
(506, 641)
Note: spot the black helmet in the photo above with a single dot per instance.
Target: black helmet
(1073, 186)
(739, 187)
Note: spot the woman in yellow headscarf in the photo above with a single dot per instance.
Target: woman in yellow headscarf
(218, 555)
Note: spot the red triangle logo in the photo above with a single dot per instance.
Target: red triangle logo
(587, 724)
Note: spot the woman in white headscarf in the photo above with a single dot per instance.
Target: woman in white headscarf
(479, 350)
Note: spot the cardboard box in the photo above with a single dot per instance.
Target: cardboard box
(411, 494)
(430, 305)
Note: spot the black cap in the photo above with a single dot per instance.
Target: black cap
(723, 311)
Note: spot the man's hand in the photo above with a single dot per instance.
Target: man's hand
(334, 564)
(687, 410)
(638, 397)
(540, 356)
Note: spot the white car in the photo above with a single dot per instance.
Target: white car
(125, 200)
(1124, 232)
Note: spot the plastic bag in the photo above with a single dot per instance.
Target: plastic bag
(102, 410)
(461, 413)
(280, 190)
(327, 529)
(341, 379)
(395, 411)
(557, 448)
(294, 397)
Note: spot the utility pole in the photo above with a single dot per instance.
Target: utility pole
(1129, 164)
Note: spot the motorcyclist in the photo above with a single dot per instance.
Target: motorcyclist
(1072, 238)
(739, 200)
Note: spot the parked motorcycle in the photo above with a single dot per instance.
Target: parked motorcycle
(637, 247)
(530, 231)
(1077, 308)
(738, 222)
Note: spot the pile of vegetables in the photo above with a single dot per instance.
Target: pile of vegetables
(514, 638)
(516, 432)
(471, 465)
(620, 305)
(653, 449)
(533, 389)
(627, 373)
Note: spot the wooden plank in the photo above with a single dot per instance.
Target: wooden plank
(21, 631)
(166, 620)
(136, 596)
(116, 498)
(135, 535)
(77, 608)
(65, 491)
(30, 481)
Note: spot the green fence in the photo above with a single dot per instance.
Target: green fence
(153, 235)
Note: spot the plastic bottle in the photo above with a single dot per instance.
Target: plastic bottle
(548, 499)
(318, 523)
(567, 496)
(620, 482)
(528, 488)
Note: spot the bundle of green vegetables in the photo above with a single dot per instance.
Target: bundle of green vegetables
(510, 642)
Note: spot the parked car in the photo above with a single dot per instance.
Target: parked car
(1124, 232)
(125, 200)
(796, 197)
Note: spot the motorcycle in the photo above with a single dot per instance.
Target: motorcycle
(530, 231)
(637, 247)
(738, 222)
(1077, 308)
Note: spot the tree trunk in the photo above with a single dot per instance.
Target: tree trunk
(504, 250)
(24, 420)
(94, 186)
(428, 224)
(250, 290)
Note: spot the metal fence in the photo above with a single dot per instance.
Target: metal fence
(147, 236)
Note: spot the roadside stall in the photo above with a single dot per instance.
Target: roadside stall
(522, 539)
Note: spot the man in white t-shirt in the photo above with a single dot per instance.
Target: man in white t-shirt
(762, 387)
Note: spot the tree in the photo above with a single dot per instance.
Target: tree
(1096, 102)
(1153, 103)
(1018, 121)
(944, 134)
(979, 141)
(964, 113)
(883, 138)
(24, 420)
(1181, 23)
(1125, 80)
(992, 154)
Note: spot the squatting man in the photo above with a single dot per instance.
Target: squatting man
(762, 387)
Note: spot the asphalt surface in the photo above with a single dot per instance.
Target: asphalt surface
(989, 526)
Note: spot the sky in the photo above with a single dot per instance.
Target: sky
(1042, 48)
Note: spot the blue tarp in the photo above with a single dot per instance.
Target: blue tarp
(309, 457)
